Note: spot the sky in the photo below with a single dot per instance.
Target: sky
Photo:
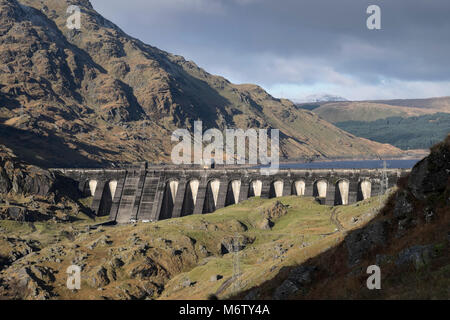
(298, 48)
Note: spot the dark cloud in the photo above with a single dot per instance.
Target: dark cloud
(294, 47)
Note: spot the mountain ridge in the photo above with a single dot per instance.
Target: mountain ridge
(371, 110)
(96, 96)
(406, 124)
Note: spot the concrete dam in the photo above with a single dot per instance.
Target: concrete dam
(149, 193)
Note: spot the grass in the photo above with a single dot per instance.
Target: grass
(306, 222)
(303, 232)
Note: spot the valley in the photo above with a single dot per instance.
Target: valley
(89, 124)
(98, 97)
(285, 247)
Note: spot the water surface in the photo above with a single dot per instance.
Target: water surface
(352, 164)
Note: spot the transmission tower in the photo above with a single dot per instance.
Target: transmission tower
(236, 247)
(384, 183)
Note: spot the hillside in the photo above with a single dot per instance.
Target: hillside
(441, 104)
(408, 239)
(96, 96)
(407, 124)
(183, 258)
(366, 111)
(377, 109)
(29, 193)
(283, 248)
(405, 133)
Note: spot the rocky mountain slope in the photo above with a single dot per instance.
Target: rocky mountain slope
(97, 96)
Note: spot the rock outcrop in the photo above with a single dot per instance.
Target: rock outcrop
(270, 215)
(17, 177)
(423, 198)
(27, 191)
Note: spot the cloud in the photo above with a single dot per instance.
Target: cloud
(292, 45)
(393, 89)
(202, 6)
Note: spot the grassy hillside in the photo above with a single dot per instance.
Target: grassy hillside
(306, 230)
(408, 240)
(378, 109)
(406, 124)
(284, 248)
(185, 258)
(366, 111)
(440, 103)
(406, 133)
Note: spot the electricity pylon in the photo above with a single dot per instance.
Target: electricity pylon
(384, 183)
(236, 246)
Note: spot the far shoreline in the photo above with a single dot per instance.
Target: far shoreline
(414, 155)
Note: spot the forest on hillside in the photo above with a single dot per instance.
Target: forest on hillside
(406, 133)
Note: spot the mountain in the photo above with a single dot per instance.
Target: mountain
(96, 96)
(406, 124)
(373, 110)
(321, 98)
(441, 104)
(364, 111)
(419, 132)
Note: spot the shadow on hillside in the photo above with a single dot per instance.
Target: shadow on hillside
(339, 272)
(195, 97)
(47, 150)
(319, 271)
(315, 271)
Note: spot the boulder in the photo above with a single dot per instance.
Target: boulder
(285, 290)
(233, 244)
(418, 256)
(16, 214)
(302, 275)
(361, 241)
(276, 211)
(403, 206)
(298, 279)
(216, 277)
(431, 174)
(265, 224)
(100, 277)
